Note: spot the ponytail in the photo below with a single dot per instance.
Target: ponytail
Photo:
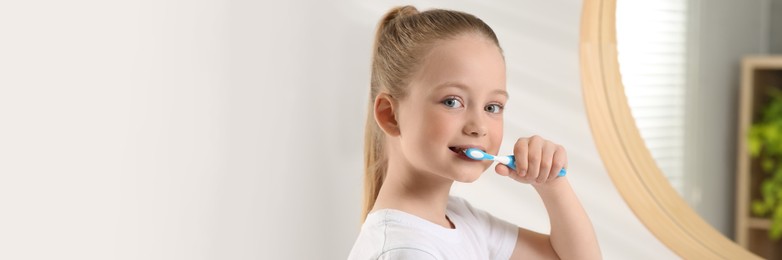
(375, 158)
(375, 162)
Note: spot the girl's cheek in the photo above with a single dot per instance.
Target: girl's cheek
(496, 135)
(438, 124)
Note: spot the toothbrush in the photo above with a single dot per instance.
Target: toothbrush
(507, 160)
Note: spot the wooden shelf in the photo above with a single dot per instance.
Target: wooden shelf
(759, 223)
(758, 74)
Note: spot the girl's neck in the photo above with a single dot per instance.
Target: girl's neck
(419, 193)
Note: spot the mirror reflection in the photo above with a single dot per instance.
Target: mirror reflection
(680, 62)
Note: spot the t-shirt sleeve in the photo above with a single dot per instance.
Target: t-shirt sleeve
(500, 235)
(406, 253)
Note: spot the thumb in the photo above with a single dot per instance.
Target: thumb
(502, 169)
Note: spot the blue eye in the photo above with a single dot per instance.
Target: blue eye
(452, 102)
(494, 108)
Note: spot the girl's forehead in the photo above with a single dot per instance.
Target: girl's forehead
(470, 61)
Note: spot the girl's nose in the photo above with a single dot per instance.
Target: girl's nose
(475, 129)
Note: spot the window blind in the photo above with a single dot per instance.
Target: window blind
(652, 51)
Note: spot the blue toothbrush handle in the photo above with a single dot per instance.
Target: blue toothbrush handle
(512, 165)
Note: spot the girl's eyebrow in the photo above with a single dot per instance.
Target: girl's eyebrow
(467, 89)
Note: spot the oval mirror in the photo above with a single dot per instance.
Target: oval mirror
(649, 126)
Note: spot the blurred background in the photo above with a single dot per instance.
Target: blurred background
(234, 129)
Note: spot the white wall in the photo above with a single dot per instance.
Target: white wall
(233, 130)
(775, 27)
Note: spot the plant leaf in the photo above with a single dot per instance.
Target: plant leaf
(767, 164)
(759, 208)
(776, 224)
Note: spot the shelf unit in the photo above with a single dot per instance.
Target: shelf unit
(758, 73)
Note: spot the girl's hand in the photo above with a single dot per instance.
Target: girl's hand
(538, 161)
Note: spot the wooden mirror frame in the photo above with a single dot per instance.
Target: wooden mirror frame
(629, 163)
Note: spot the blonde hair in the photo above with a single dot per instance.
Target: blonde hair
(403, 36)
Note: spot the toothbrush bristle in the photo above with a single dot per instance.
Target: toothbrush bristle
(474, 153)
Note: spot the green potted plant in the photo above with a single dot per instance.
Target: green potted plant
(765, 144)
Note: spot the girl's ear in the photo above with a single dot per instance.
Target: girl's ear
(385, 114)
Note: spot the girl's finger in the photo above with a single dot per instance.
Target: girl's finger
(546, 161)
(534, 157)
(520, 151)
(514, 175)
(501, 169)
(560, 161)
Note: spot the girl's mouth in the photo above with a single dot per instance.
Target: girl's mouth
(459, 152)
(457, 149)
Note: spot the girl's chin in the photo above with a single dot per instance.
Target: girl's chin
(467, 180)
(468, 175)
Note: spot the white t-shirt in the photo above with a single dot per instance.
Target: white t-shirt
(394, 234)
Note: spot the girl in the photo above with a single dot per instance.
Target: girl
(437, 88)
